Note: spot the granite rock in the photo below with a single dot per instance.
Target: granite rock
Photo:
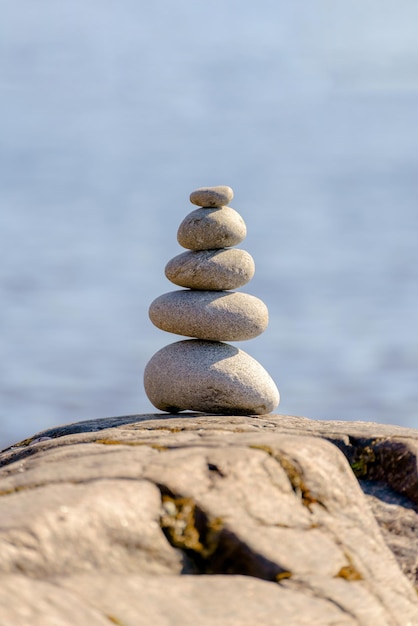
(137, 600)
(210, 315)
(211, 269)
(205, 229)
(210, 197)
(264, 515)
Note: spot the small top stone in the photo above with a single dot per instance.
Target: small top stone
(210, 197)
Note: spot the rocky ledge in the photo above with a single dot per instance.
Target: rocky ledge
(210, 519)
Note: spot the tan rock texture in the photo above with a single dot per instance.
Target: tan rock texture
(204, 519)
(211, 315)
(211, 377)
(211, 269)
(205, 229)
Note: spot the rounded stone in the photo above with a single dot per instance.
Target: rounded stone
(211, 315)
(211, 269)
(205, 229)
(212, 196)
(211, 377)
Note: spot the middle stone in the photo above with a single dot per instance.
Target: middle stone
(210, 315)
(224, 269)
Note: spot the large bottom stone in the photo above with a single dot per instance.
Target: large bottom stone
(209, 376)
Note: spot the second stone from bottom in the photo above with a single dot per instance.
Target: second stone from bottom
(209, 376)
(211, 315)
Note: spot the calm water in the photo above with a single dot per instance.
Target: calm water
(112, 112)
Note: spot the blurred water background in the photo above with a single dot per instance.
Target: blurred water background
(113, 111)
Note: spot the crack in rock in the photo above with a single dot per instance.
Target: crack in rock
(208, 544)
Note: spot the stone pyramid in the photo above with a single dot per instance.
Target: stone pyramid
(205, 373)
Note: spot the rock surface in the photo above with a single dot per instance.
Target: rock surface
(205, 229)
(208, 376)
(110, 521)
(210, 315)
(229, 268)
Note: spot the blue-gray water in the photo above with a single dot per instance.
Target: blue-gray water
(112, 112)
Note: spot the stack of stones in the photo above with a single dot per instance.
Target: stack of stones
(205, 374)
